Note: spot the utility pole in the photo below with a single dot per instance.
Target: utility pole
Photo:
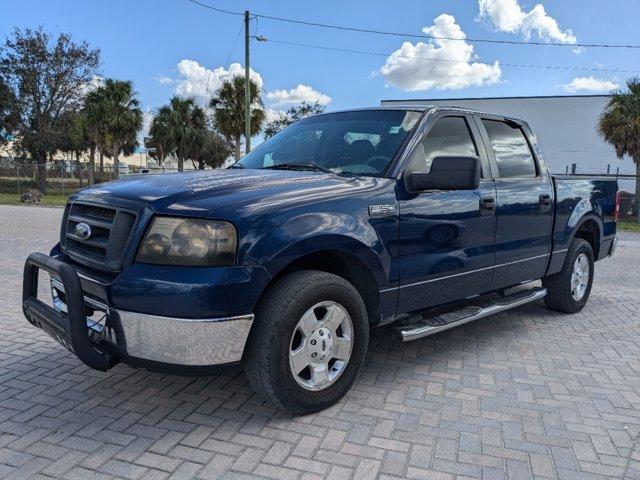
(247, 87)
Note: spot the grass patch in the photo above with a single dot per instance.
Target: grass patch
(49, 200)
(628, 226)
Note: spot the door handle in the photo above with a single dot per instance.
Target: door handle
(487, 206)
(545, 202)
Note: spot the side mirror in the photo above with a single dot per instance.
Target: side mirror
(447, 173)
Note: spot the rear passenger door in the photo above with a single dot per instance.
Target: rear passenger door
(524, 202)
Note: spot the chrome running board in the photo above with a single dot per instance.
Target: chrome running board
(423, 327)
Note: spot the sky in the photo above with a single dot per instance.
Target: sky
(169, 47)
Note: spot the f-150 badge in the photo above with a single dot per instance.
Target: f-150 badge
(382, 210)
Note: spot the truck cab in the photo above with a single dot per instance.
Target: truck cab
(420, 218)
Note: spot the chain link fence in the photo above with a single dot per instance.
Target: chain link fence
(626, 186)
(64, 177)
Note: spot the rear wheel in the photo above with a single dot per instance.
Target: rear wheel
(308, 343)
(569, 289)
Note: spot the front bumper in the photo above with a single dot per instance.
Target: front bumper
(102, 334)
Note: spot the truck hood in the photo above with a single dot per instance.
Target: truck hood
(198, 193)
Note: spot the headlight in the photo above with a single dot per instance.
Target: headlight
(191, 242)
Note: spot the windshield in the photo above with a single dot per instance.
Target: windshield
(360, 142)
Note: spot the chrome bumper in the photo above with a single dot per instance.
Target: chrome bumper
(175, 341)
(184, 341)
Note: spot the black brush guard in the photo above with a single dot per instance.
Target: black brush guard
(70, 329)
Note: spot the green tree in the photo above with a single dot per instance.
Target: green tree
(179, 128)
(214, 151)
(229, 110)
(48, 79)
(92, 129)
(620, 126)
(73, 138)
(9, 115)
(159, 140)
(291, 115)
(114, 111)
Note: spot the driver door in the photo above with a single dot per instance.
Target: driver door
(447, 238)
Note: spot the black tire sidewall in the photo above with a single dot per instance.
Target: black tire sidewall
(290, 393)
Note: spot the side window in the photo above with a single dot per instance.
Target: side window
(511, 149)
(448, 136)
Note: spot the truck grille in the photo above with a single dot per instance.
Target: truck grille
(110, 228)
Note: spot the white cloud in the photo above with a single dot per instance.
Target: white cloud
(299, 94)
(95, 82)
(163, 80)
(452, 64)
(271, 114)
(589, 84)
(201, 82)
(509, 16)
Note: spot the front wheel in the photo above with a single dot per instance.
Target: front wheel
(308, 343)
(569, 289)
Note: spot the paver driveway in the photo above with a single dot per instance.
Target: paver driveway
(522, 394)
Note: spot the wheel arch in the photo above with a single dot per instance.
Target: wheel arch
(589, 228)
(357, 265)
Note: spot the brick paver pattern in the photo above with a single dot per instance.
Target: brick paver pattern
(525, 394)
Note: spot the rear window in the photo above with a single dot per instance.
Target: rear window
(511, 149)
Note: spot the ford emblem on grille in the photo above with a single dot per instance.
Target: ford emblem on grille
(82, 231)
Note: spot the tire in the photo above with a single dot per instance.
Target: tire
(278, 341)
(561, 294)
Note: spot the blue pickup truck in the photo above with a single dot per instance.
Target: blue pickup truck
(423, 218)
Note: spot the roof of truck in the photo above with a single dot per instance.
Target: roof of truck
(423, 108)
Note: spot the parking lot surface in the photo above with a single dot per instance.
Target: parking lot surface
(525, 394)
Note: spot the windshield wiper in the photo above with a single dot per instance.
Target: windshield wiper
(236, 165)
(300, 166)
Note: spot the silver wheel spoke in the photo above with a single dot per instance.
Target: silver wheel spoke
(584, 265)
(319, 375)
(308, 322)
(341, 348)
(298, 360)
(333, 318)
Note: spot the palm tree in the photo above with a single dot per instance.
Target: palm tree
(92, 120)
(620, 126)
(213, 152)
(229, 105)
(179, 128)
(116, 114)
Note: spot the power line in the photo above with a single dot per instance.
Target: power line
(421, 36)
(219, 10)
(435, 37)
(381, 54)
(227, 60)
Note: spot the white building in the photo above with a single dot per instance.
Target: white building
(566, 127)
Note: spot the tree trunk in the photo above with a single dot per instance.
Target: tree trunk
(41, 161)
(238, 154)
(637, 162)
(116, 162)
(180, 164)
(92, 164)
(101, 169)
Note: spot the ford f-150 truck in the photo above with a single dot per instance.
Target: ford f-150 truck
(426, 218)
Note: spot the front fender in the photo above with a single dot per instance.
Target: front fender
(314, 232)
